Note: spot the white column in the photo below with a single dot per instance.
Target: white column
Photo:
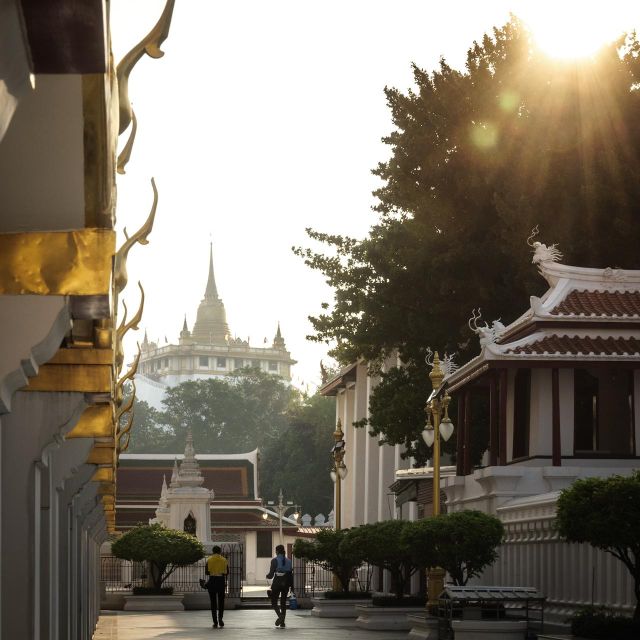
(34, 421)
(358, 479)
(372, 466)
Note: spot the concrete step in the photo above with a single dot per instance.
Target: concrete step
(254, 603)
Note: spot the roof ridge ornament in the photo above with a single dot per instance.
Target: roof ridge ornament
(543, 253)
(447, 364)
(488, 334)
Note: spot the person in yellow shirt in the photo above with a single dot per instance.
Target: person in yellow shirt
(217, 569)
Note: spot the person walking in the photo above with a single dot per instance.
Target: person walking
(281, 570)
(217, 569)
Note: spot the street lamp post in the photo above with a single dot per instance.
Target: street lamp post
(339, 471)
(438, 426)
(338, 474)
(281, 508)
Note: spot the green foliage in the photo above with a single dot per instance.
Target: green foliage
(246, 410)
(390, 545)
(397, 412)
(164, 549)
(605, 513)
(466, 542)
(298, 460)
(477, 158)
(328, 551)
(148, 434)
(601, 624)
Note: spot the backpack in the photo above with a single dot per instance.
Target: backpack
(283, 564)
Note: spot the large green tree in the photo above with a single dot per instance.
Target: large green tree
(298, 460)
(477, 158)
(605, 513)
(246, 410)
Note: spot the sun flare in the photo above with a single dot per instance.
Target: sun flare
(569, 30)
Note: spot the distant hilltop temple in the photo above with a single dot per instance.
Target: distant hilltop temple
(207, 351)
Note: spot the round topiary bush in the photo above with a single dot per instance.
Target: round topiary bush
(164, 550)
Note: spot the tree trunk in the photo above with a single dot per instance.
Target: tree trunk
(157, 571)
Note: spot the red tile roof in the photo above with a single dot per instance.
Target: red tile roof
(579, 345)
(599, 303)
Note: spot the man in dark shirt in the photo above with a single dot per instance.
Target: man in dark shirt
(281, 570)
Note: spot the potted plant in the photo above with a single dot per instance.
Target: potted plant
(327, 551)
(385, 545)
(163, 550)
(330, 554)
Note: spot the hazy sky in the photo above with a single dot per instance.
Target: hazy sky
(265, 117)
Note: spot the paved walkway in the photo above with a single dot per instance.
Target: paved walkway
(241, 624)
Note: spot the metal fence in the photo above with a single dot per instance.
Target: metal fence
(123, 575)
(312, 579)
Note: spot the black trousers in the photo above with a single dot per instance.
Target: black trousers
(279, 599)
(216, 595)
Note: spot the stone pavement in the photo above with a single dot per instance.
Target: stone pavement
(241, 624)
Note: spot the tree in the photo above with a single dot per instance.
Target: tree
(245, 410)
(605, 513)
(249, 409)
(298, 461)
(148, 434)
(329, 552)
(387, 545)
(466, 542)
(478, 157)
(164, 550)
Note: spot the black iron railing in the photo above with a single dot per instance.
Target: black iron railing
(122, 575)
(311, 579)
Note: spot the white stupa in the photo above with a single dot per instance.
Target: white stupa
(185, 504)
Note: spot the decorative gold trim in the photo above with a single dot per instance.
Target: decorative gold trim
(125, 154)
(125, 432)
(100, 140)
(102, 334)
(125, 407)
(95, 422)
(120, 276)
(66, 377)
(56, 262)
(104, 474)
(102, 453)
(126, 326)
(127, 376)
(81, 356)
(150, 45)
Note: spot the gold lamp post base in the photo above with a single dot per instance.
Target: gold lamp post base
(435, 586)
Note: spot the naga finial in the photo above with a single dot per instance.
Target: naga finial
(125, 154)
(150, 45)
(120, 276)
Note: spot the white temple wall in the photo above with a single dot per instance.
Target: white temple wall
(250, 556)
(360, 437)
(371, 465)
(350, 437)
(541, 418)
(511, 376)
(41, 475)
(571, 576)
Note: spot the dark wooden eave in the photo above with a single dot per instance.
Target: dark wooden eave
(66, 36)
(340, 381)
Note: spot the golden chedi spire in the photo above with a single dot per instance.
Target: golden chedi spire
(211, 321)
